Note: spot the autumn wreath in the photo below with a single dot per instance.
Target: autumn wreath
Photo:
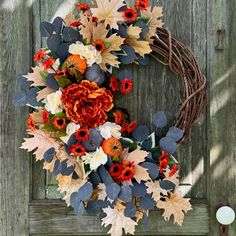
(103, 161)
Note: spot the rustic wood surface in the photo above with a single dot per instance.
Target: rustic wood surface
(208, 169)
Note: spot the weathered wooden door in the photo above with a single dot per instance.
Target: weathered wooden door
(29, 200)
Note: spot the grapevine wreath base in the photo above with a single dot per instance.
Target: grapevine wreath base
(103, 161)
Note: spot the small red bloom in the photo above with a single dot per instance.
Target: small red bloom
(126, 86)
(94, 19)
(174, 169)
(31, 124)
(114, 83)
(60, 73)
(141, 4)
(77, 150)
(128, 172)
(132, 126)
(116, 170)
(76, 23)
(124, 127)
(45, 116)
(164, 160)
(118, 117)
(99, 45)
(130, 14)
(82, 134)
(59, 123)
(48, 63)
(82, 7)
(38, 56)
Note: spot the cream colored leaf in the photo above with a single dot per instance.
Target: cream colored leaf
(87, 27)
(141, 47)
(35, 77)
(49, 165)
(102, 193)
(37, 116)
(176, 205)
(154, 22)
(174, 179)
(69, 19)
(41, 141)
(137, 156)
(141, 174)
(153, 187)
(42, 94)
(118, 221)
(134, 32)
(107, 11)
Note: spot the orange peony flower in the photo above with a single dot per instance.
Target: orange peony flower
(112, 147)
(86, 104)
(75, 62)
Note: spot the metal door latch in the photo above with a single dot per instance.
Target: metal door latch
(219, 37)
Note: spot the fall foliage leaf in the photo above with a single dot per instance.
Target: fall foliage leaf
(154, 22)
(37, 116)
(87, 27)
(118, 221)
(42, 94)
(35, 77)
(107, 11)
(176, 205)
(141, 47)
(40, 140)
(174, 178)
(155, 189)
(69, 19)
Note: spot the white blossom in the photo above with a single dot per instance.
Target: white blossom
(109, 130)
(53, 102)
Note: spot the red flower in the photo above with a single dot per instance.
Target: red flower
(82, 7)
(114, 83)
(128, 172)
(130, 14)
(126, 86)
(82, 134)
(38, 56)
(116, 170)
(77, 150)
(174, 169)
(76, 23)
(141, 4)
(118, 117)
(164, 160)
(99, 45)
(132, 126)
(59, 123)
(124, 127)
(94, 19)
(60, 73)
(45, 116)
(48, 63)
(86, 104)
(31, 124)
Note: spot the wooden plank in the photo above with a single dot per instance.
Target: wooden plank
(222, 109)
(15, 57)
(55, 218)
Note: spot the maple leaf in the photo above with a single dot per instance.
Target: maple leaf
(35, 77)
(42, 94)
(153, 187)
(175, 205)
(37, 116)
(154, 22)
(174, 178)
(141, 47)
(42, 141)
(137, 156)
(87, 27)
(107, 11)
(102, 193)
(69, 19)
(118, 221)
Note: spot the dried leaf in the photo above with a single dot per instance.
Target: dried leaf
(140, 46)
(69, 19)
(102, 193)
(141, 174)
(176, 205)
(35, 77)
(107, 11)
(87, 27)
(174, 178)
(37, 116)
(155, 189)
(118, 221)
(154, 22)
(42, 94)
(40, 140)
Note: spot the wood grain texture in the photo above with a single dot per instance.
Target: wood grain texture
(15, 58)
(55, 218)
(221, 109)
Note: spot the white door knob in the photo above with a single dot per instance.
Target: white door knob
(225, 215)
